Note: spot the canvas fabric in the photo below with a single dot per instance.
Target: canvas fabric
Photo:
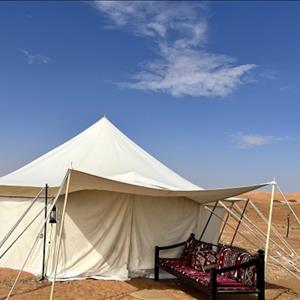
(106, 235)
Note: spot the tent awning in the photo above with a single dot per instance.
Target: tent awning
(81, 181)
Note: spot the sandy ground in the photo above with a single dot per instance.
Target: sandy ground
(279, 284)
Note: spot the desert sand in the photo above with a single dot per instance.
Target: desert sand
(279, 284)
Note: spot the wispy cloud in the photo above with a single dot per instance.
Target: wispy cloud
(183, 66)
(269, 74)
(247, 141)
(286, 87)
(35, 58)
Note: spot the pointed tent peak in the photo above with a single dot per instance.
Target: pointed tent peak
(101, 150)
(104, 121)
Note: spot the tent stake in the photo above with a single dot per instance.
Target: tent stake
(288, 225)
(45, 233)
(239, 222)
(270, 220)
(208, 220)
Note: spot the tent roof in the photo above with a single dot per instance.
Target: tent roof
(103, 158)
(101, 150)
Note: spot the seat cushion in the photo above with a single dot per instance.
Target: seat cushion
(203, 278)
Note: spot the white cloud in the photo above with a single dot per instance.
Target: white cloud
(33, 58)
(184, 66)
(190, 72)
(155, 18)
(247, 141)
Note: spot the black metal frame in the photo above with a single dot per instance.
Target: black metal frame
(239, 222)
(225, 222)
(214, 290)
(45, 234)
(208, 220)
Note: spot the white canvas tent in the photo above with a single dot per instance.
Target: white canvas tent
(121, 203)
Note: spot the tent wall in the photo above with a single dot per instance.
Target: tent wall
(96, 235)
(10, 211)
(106, 234)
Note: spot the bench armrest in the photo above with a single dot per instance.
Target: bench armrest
(170, 246)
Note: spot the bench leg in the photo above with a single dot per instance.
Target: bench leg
(213, 282)
(156, 264)
(261, 294)
(261, 275)
(213, 296)
(156, 273)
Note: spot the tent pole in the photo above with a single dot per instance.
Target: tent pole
(45, 233)
(60, 235)
(288, 204)
(287, 245)
(252, 243)
(249, 229)
(208, 220)
(239, 222)
(264, 234)
(225, 223)
(270, 221)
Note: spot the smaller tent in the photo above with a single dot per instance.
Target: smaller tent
(121, 203)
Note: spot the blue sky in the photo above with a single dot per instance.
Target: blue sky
(210, 89)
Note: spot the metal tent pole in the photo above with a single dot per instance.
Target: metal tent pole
(45, 233)
(208, 220)
(239, 222)
(225, 223)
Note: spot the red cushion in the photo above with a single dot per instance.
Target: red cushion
(204, 278)
(223, 281)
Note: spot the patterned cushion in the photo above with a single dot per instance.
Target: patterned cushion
(246, 276)
(203, 260)
(188, 248)
(203, 278)
(227, 258)
(224, 251)
(199, 245)
(180, 267)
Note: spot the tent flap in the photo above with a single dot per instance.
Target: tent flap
(81, 181)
